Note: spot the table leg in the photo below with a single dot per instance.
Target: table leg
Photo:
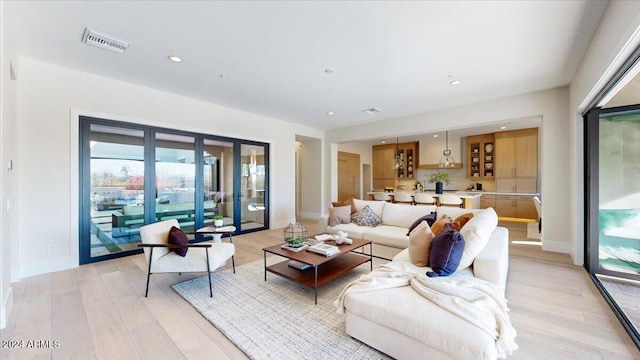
(371, 255)
(265, 265)
(315, 283)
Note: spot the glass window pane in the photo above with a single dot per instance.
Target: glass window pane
(619, 193)
(253, 186)
(218, 181)
(175, 179)
(117, 189)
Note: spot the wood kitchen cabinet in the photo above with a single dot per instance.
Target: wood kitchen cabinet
(383, 156)
(516, 161)
(487, 201)
(515, 206)
(480, 156)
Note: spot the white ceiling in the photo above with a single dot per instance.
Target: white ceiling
(397, 56)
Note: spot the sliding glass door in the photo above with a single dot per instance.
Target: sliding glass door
(613, 196)
(132, 175)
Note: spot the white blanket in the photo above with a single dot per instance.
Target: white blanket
(472, 299)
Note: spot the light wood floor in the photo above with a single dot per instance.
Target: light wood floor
(99, 311)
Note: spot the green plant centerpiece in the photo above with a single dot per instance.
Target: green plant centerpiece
(218, 220)
(295, 235)
(439, 178)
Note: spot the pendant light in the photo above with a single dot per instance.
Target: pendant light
(447, 161)
(397, 161)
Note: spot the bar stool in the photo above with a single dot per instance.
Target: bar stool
(381, 196)
(403, 197)
(423, 199)
(450, 200)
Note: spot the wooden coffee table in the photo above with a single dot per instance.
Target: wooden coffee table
(323, 268)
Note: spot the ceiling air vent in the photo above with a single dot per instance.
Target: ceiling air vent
(371, 111)
(107, 42)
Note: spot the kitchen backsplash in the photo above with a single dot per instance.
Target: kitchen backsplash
(459, 180)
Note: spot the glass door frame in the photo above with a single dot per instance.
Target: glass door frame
(150, 132)
(592, 211)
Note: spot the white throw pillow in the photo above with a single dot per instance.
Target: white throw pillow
(476, 233)
(339, 215)
(420, 244)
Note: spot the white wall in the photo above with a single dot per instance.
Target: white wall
(550, 105)
(309, 176)
(613, 42)
(50, 100)
(8, 204)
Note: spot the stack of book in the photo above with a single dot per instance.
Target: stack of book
(324, 249)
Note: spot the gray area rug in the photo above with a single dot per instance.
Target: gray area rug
(277, 319)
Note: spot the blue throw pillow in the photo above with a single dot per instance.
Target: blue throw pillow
(430, 219)
(446, 252)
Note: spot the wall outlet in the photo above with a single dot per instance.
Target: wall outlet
(52, 248)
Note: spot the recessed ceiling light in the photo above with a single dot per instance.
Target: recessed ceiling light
(384, 141)
(455, 82)
(330, 70)
(330, 113)
(502, 127)
(174, 58)
(435, 135)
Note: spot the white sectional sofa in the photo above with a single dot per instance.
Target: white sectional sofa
(390, 237)
(402, 323)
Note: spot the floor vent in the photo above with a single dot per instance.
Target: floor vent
(371, 111)
(107, 42)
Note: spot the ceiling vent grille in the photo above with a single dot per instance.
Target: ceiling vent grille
(371, 111)
(107, 42)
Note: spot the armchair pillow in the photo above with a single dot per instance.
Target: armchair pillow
(339, 215)
(420, 243)
(461, 221)
(438, 226)
(178, 237)
(446, 251)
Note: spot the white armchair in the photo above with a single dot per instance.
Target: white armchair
(200, 257)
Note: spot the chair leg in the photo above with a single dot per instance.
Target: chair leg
(209, 273)
(146, 292)
(233, 263)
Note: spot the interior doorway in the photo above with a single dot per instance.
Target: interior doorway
(348, 175)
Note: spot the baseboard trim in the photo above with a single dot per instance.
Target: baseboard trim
(557, 246)
(7, 305)
(48, 266)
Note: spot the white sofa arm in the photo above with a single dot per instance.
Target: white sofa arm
(492, 264)
(323, 221)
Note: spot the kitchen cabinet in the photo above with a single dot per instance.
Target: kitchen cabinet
(480, 150)
(516, 161)
(515, 206)
(487, 201)
(383, 156)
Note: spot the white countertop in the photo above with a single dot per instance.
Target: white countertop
(462, 194)
(508, 193)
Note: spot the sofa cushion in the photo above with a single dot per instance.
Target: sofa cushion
(178, 237)
(438, 226)
(476, 234)
(376, 205)
(349, 202)
(354, 231)
(420, 243)
(339, 215)
(429, 218)
(366, 217)
(403, 215)
(392, 236)
(446, 251)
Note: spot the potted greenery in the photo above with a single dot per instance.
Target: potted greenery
(218, 221)
(439, 177)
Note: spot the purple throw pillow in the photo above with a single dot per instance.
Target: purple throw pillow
(446, 252)
(177, 236)
(430, 219)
